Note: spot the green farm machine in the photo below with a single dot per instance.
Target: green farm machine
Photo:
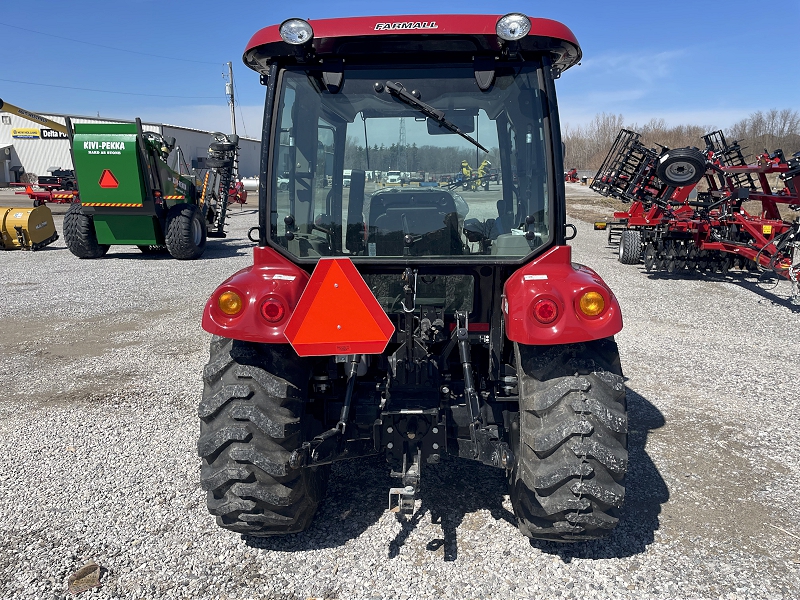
(129, 194)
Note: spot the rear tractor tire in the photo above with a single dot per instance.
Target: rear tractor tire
(186, 232)
(630, 247)
(250, 423)
(79, 234)
(570, 441)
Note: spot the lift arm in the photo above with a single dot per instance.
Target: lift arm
(21, 112)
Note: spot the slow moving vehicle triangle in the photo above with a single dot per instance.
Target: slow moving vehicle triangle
(107, 180)
(338, 314)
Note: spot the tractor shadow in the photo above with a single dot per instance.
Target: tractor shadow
(767, 288)
(645, 493)
(772, 288)
(215, 249)
(455, 492)
(241, 211)
(227, 248)
(357, 499)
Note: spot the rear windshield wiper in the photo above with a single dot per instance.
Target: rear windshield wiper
(398, 90)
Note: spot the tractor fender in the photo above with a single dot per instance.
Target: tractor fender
(271, 278)
(555, 277)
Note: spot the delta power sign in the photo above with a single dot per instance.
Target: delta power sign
(26, 133)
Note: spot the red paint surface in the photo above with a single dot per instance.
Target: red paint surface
(446, 25)
(315, 309)
(271, 276)
(554, 277)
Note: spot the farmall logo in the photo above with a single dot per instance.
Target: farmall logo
(406, 25)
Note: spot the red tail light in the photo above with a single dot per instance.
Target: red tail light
(273, 310)
(545, 311)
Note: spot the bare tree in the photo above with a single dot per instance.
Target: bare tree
(771, 130)
(586, 146)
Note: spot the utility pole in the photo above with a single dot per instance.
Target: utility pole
(478, 139)
(229, 94)
(402, 162)
(231, 103)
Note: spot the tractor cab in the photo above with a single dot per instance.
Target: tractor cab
(353, 98)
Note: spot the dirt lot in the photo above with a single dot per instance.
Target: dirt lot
(588, 206)
(100, 367)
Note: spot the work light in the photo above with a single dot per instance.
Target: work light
(296, 32)
(513, 26)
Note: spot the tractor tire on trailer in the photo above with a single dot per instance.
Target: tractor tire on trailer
(570, 441)
(217, 163)
(79, 234)
(630, 247)
(250, 424)
(681, 167)
(186, 232)
(222, 146)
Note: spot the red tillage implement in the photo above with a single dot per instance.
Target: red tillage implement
(49, 196)
(669, 231)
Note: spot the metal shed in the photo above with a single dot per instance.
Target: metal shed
(33, 149)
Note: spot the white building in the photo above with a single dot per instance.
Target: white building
(28, 148)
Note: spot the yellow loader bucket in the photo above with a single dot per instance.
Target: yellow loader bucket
(26, 228)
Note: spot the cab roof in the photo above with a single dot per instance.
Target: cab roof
(413, 34)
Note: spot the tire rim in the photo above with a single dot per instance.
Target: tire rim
(197, 232)
(681, 172)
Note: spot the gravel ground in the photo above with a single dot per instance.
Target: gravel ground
(100, 367)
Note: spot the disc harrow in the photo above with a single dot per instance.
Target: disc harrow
(670, 229)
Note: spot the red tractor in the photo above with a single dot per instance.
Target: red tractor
(413, 322)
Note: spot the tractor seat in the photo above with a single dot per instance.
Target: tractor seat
(430, 218)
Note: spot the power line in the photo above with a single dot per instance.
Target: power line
(66, 87)
(241, 114)
(60, 37)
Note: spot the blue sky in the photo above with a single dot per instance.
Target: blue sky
(687, 62)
